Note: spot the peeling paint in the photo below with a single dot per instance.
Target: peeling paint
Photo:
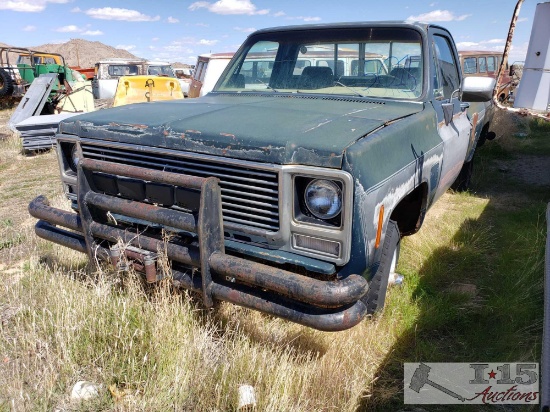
(319, 125)
(364, 212)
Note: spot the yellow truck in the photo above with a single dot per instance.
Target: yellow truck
(137, 89)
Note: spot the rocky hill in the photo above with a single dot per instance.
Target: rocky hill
(84, 53)
(79, 52)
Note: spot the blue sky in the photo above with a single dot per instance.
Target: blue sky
(178, 30)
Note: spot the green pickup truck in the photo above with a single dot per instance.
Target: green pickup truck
(288, 187)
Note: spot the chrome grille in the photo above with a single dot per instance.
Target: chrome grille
(250, 196)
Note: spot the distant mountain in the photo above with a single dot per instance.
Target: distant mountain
(84, 53)
(179, 65)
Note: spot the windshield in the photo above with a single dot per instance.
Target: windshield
(26, 59)
(161, 71)
(369, 62)
(116, 70)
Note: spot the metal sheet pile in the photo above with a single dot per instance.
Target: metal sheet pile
(38, 132)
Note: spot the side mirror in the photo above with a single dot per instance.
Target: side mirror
(477, 89)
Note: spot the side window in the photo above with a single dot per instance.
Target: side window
(203, 71)
(300, 66)
(24, 60)
(330, 63)
(470, 65)
(491, 65)
(447, 79)
(198, 71)
(482, 65)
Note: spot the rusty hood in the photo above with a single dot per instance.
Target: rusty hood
(307, 130)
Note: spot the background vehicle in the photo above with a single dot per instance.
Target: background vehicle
(487, 63)
(20, 66)
(185, 76)
(208, 69)
(69, 91)
(109, 71)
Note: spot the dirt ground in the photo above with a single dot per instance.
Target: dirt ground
(530, 169)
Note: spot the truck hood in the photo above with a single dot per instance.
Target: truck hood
(280, 129)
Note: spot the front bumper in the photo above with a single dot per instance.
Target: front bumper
(198, 261)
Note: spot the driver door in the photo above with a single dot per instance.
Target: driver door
(453, 124)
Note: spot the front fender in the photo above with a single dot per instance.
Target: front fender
(386, 166)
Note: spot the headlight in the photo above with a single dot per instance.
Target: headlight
(323, 198)
(74, 158)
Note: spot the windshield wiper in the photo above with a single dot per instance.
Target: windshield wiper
(349, 88)
(266, 85)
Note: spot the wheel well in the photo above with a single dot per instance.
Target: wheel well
(409, 213)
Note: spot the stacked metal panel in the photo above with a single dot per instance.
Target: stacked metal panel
(38, 132)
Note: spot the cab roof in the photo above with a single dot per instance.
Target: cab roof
(350, 25)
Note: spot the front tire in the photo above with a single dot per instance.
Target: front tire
(6, 83)
(464, 178)
(378, 286)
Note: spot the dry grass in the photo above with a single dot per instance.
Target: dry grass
(61, 326)
(153, 348)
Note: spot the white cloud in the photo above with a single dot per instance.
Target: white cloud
(245, 30)
(174, 52)
(29, 28)
(522, 19)
(75, 29)
(114, 13)
(68, 29)
(433, 4)
(304, 18)
(127, 47)
(228, 7)
(518, 52)
(183, 45)
(28, 6)
(155, 39)
(279, 14)
(204, 42)
(438, 15)
(466, 44)
(76, 10)
(494, 41)
(479, 46)
(172, 20)
(482, 45)
(92, 33)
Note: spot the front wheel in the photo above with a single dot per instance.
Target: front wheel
(378, 286)
(464, 178)
(6, 83)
